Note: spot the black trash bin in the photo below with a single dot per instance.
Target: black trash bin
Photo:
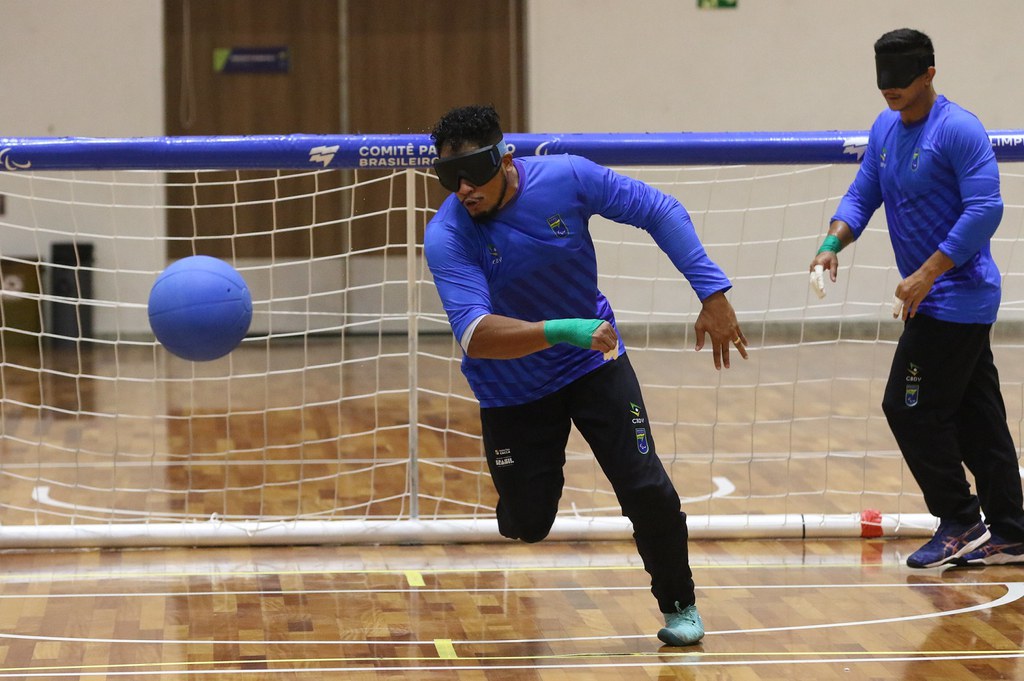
(70, 279)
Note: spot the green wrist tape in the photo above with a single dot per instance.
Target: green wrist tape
(831, 243)
(576, 332)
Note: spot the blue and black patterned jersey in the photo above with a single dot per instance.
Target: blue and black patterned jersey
(535, 261)
(939, 181)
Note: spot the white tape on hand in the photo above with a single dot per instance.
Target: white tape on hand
(818, 281)
(611, 354)
(897, 307)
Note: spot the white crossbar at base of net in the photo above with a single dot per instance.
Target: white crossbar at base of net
(368, 532)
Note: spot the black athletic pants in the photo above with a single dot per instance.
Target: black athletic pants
(525, 448)
(945, 409)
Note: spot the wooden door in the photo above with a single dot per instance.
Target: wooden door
(355, 66)
(255, 219)
(409, 62)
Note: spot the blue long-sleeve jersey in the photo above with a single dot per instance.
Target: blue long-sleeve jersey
(939, 181)
(535, 261)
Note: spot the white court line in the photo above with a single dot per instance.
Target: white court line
(723, 488)
(146, 461)
(1014, 591)
(497, 589)
(687, 660)
(321, 592)
(41, 495)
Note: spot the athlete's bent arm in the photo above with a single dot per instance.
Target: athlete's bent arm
(500, 337)
(915, 288)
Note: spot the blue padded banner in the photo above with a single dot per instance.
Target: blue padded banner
(417, 151)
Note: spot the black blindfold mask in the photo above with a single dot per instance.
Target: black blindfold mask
(477, 167)
(900, 70)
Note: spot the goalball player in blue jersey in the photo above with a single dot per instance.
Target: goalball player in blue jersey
(514, 264)
(931, 163)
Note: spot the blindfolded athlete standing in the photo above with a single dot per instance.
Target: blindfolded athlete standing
(931, 163)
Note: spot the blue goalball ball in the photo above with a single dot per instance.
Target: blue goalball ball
(200, 308)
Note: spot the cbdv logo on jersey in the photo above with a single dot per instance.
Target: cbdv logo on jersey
(642, 445)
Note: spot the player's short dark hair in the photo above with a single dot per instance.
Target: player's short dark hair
(904, 41)
(475, 125)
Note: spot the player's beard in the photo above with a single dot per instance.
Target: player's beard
(493, 210)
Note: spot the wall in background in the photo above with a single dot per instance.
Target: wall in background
(95, 68)
(662, 65)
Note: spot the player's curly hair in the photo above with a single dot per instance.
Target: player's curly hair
(904, 41)
(475, 125)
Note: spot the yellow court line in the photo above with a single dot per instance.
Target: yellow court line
(445, 649)
(415, 578)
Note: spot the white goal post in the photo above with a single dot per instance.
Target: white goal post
(343, 416)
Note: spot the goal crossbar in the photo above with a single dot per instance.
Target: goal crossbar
(417, 151)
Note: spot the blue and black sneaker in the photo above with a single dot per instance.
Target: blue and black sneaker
(996, 551)
(950, 542)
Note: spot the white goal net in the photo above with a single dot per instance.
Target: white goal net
(343, 415)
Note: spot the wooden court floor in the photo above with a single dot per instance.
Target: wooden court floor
(785, 609)
(108, 445)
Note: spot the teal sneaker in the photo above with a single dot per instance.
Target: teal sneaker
(682, 627)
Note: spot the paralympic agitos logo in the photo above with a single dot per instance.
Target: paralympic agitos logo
(9, 164)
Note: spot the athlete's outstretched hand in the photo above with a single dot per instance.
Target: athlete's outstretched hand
(718, 320)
